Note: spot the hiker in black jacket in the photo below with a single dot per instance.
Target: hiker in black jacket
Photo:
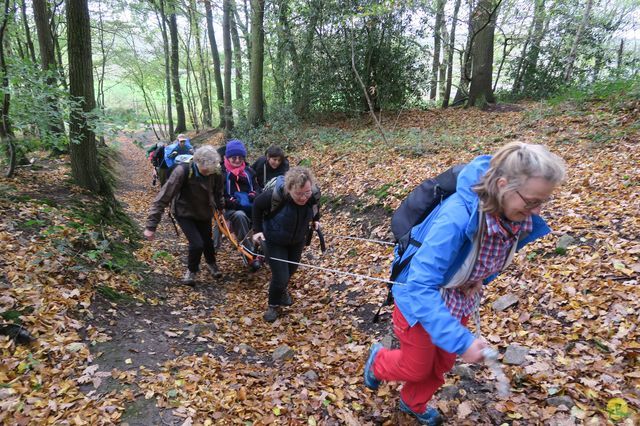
(281, 218)
(272, 164)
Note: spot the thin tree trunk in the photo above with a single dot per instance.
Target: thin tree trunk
(216, 63)
(237, 56)
(256, 93)
(437, 42)
(570, 61)
(84, 153)
(481, 91)
(27, 31)
(620, 53)
(450, 53)
(465, 65)
(181, 125)
(162, 22)
(204, 93)
(226, 43)
(530, 64)
(56, 43)
(5, 124)
(48, 62)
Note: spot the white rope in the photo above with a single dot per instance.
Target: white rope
(346, 237)
(333, 271)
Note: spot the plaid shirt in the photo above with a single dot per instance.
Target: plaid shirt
(494, 249)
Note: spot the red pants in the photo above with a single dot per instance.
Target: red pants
(418, 363)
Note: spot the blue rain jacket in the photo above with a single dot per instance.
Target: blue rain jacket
(447, 238)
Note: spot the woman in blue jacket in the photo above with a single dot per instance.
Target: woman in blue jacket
(467, 240)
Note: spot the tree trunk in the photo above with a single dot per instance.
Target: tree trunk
(301, 99)
(450, 54)
(530, 64)
(56, 44)
(181, 125)
(484, 24)
(216, 63)
(620, 52)
(226, 44)
(204, 81)
(5, 125)
(27, 31)
(237, 54)
(437, 43)
(465, 64)
(48, 62)
(256, 94)
(84, 153)
(570, 61)
(162, 23)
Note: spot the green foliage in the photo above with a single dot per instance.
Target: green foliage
(616, 91)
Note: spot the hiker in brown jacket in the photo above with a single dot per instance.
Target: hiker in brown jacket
(194, 190)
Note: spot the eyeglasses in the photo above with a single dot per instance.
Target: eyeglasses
(305, 194)
(236, 157)
(532, 204)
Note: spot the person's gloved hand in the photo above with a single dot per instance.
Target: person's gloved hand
(252, 196)
(174, 154)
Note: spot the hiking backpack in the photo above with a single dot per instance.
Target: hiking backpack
(413, 211)
(157, 156)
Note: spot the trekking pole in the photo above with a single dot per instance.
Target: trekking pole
(366, 240)
(175, 227)
(491, 359)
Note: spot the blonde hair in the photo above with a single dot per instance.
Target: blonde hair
(298, 177)
(206, 157)
(517, 162)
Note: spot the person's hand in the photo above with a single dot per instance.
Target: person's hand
(252, 196)
(316, 226)
(174, 154)
(474, 353)
(149, 234)
(258, 237)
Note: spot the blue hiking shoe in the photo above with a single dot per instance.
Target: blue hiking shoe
(430, 417)
(370, 380)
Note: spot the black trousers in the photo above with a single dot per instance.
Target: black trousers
(198, 233)
(281, 272)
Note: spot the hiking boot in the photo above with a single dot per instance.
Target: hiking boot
(370, 380)
(189, 278)
(285, 300)
(213, 269)
(430, 417)
(271, 315)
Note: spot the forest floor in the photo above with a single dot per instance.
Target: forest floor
(119, 339)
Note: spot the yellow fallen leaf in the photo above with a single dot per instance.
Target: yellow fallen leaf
(128, 361)
(617, 409)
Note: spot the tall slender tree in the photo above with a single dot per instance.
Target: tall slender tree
(181, 124)
(256, 93)
(216, 63)
(48, 61)
(226, 42)
(84, 153)
(437, 44)
(450, 55)
(237, 54)
(571, 58)
(27, 31)
(162, 23)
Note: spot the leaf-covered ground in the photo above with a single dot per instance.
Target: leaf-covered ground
(118, 339)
